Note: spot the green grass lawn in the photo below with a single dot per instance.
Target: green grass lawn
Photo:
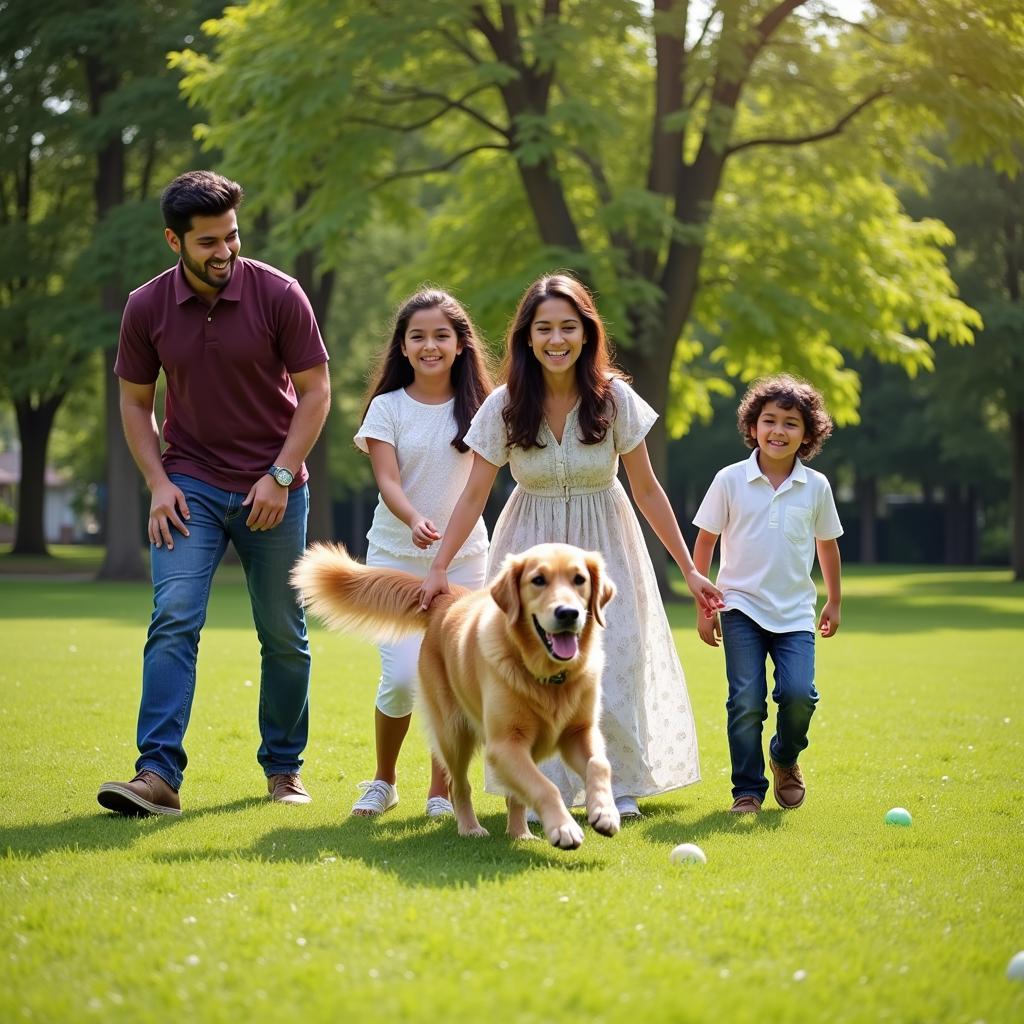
(242, 909)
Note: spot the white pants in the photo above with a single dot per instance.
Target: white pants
(398, 662)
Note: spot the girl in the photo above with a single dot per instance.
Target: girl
(432, 379)
(562, 421)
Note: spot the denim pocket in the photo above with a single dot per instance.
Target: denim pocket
(797, 524)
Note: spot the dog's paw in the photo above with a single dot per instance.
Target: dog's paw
(566, 837)
(605, 820)
(525, 834)
(476, 831)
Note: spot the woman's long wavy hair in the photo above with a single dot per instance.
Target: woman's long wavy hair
(595, 370)
(471, 378)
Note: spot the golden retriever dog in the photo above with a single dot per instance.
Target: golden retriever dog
(515, 666)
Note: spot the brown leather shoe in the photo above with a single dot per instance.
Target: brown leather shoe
(788, 785)
(745, 805)
(146, 794)
(287, 789)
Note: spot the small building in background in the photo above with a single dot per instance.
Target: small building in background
(61, 523)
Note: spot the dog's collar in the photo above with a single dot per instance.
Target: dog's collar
(556, 680)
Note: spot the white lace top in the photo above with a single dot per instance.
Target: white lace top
(433, 473)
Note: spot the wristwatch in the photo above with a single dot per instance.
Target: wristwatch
(283, 476)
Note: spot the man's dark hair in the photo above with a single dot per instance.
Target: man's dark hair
(201, 193)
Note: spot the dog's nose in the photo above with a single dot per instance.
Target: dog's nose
(565, 615)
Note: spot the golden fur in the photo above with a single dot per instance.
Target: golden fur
(516, 666)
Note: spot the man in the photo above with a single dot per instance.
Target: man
(247, 395)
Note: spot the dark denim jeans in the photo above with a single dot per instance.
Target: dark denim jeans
(181, 590)
(747, 646)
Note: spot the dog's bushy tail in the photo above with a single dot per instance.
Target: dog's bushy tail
(381, 604)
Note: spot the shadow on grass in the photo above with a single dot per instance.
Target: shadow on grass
(101, 830)
(428, 855)
(671, 830)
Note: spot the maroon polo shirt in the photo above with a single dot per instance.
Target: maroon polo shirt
(230, 398)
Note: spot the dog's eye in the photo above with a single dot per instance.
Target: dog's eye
(539, 581)
(579, 579)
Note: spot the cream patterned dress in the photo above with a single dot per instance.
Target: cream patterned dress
(570, 493)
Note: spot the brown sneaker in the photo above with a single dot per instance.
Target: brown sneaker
(788, 785)
(146, 794)
(745, 805)
(287, 789)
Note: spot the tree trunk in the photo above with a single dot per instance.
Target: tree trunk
(123, 511)
(34, 426)
(1017, 494)
(646, 365)
(867, 502)
(1013, 291)
(321, 514)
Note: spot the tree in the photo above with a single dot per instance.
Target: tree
(977, 404)
(97, 116)
(45, 306)
(636, 138)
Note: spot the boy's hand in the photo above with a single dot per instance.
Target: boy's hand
(709, 629)
(424, 533)
(828, 624)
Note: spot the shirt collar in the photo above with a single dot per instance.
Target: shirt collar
(797, 476)
(232, 291)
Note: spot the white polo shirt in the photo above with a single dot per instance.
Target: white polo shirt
(768, 540)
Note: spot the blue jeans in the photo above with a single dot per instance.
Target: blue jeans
(181, 591)
(747, 646)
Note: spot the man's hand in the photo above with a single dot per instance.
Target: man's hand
(168, 501)
(269, 501)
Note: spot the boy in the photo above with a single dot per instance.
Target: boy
(772, 513)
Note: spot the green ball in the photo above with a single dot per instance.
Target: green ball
(898, 816)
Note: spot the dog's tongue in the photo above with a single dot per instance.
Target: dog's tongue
(565, 645)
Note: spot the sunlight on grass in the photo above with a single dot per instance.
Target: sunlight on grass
(244, 909)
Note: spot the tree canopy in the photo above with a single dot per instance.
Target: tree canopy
(720, 173)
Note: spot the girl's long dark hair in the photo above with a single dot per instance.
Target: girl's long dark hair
(524, 408)
(471, 378)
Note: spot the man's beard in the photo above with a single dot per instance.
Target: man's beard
(199, 270)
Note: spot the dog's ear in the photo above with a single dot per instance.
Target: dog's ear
(602, 590)
(505, 588)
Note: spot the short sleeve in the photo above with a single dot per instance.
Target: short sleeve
(633, 417)
(487, 434)
(137, 359)
(827, 525)
(713, 514)
(378, 424)
(302, 347)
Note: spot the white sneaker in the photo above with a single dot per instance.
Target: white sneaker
(439, 806)
(628, 807)
(378, 796)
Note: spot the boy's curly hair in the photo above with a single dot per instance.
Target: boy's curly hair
(788, 392)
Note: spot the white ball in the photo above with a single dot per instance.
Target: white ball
(1015, 968)
(688, 853)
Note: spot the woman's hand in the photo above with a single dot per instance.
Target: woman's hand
(707, 595)
(709, 629)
